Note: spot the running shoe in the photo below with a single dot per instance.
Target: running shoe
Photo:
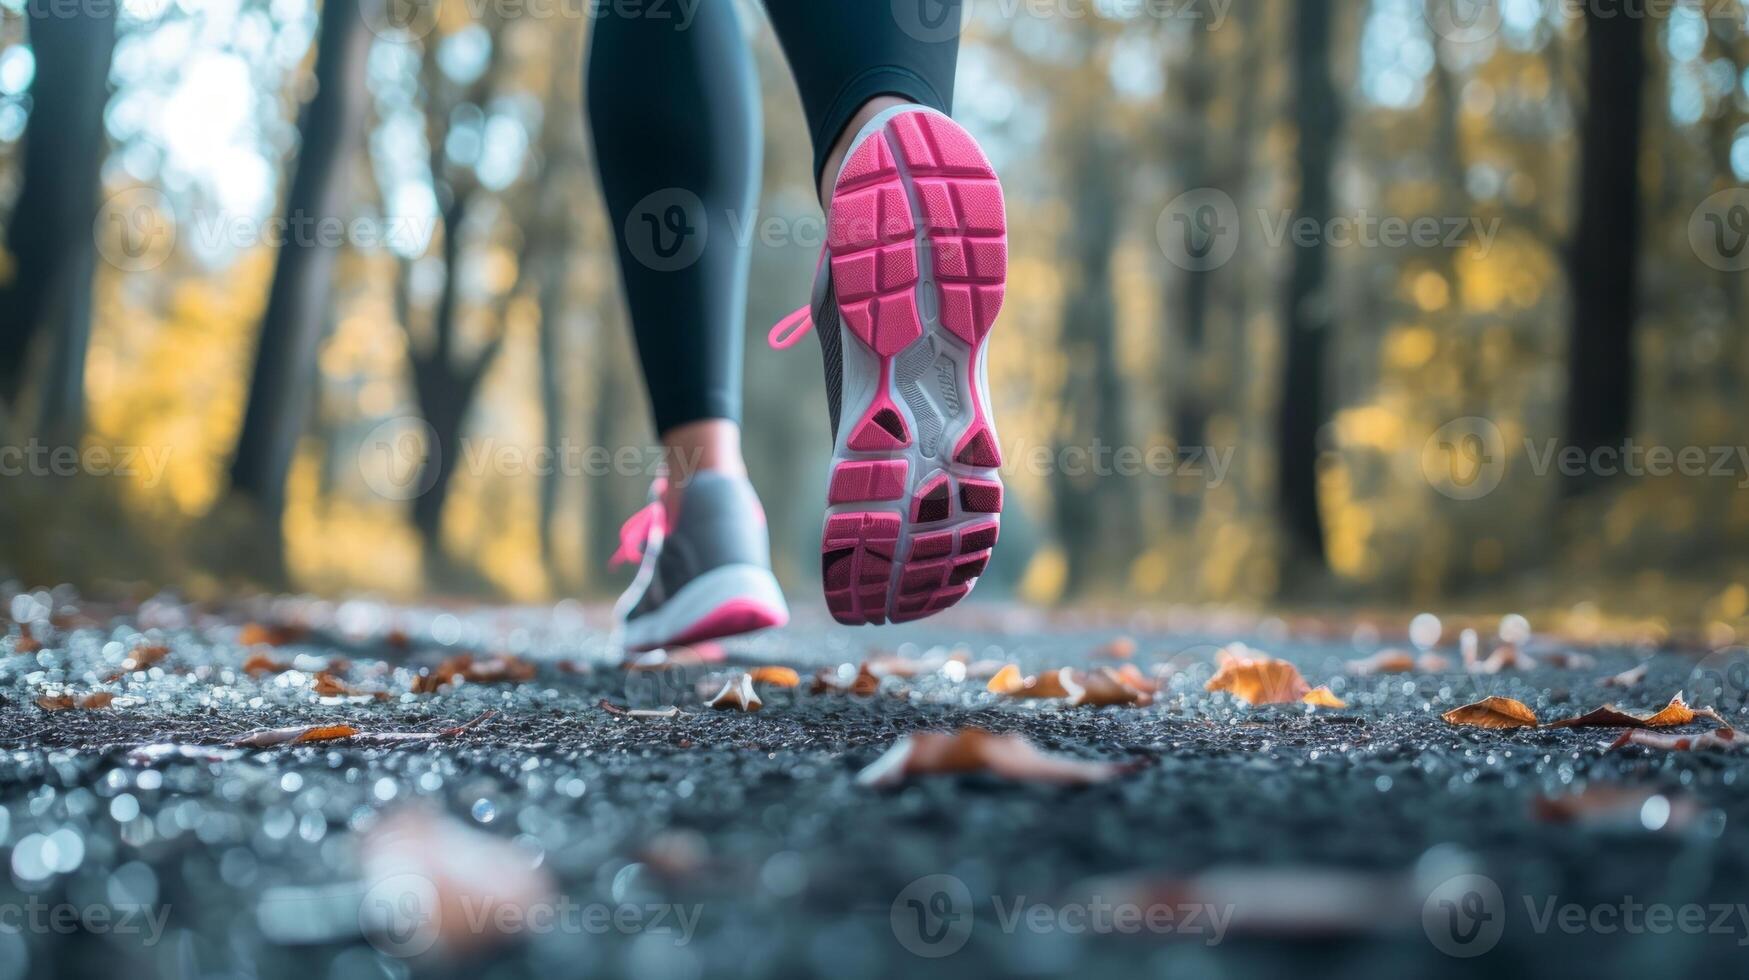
(704, 576)
(905, 293)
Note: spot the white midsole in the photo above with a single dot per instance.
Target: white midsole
(698, 599)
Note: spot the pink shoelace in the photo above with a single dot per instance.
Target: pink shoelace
(789, 331)
(649, 521)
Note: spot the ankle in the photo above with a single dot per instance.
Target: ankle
(841, 146)
(705, 446)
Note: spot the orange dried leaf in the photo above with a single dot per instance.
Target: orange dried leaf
(1322, 697)
(1677, 712)
(260, 664)
(67, 700)
(1103, 687)
(775, 676)
(259, 634)
(1006, 681)
(299, 734)
(1260, 680)
(976, 750)
(1493, 712)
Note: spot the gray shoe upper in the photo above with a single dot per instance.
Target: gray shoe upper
(720, 523)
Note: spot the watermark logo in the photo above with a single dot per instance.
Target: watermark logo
(399, 20)
(1465, 459)
(1463, 21)
(398, 459)
(1199, 230)
(1464, 915)
(666, 231)
(932, 916)
(399, 915)
(1721, 681)
(135, 229)
(930, 21)
(1718, 230)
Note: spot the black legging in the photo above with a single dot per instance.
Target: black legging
(674, 108)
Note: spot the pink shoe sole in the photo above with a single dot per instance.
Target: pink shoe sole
(919, 250)
(732, 618)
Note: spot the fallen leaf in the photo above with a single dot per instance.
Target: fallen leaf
(1677, 712)
(258, 634)
(67, 700)
(26, 643)
(1493, 712)
(864, 684)
(975, 750)
(260, 663)
(1608, 716)
(264, 737)
(1568, 660)
(641, 714)
(329, 686)
(775, 676)
(498, 668)
(142, 658)
(1723, 739)
(1322, 697)
(442, 883)
(1391, 661)
(1259, 679)
(737, 695)
(1120, 648)
(298, 734)
(1103, 687)
(1006, 681)
(1628, 678)
(1050, 684)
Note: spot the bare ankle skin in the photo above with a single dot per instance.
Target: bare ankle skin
(708, 444)
(870, 109)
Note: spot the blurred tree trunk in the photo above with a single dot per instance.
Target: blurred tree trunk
(1304, 397)
(50, 237)
(1096, 517)
(1606, 238)
(552, 393)
(284, 378)
(1187, 404)
(445, 388)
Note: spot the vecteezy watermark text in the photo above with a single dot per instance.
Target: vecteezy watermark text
(934, 916)
(37, 917)
(36, 458)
